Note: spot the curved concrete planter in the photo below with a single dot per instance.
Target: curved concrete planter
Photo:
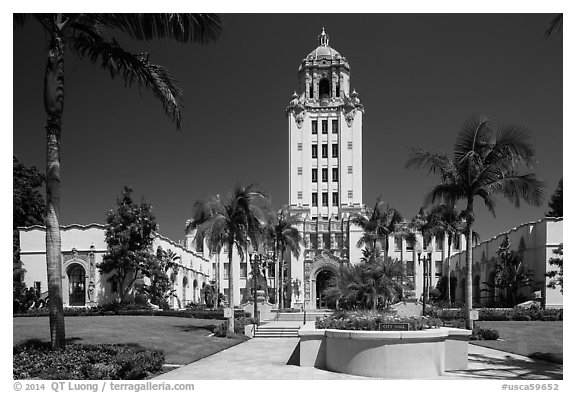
(386, 354)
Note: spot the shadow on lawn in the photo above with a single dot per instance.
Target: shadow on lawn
(511, 368)
(40, 344)
(194, 328)
(557, 358)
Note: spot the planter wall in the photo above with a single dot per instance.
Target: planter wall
(385, 354)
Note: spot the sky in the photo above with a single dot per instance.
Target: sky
(419, 77)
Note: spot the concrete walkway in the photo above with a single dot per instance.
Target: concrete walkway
(246, 360)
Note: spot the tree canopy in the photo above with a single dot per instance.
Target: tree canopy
(29, 206)
(129, 236)
(556, 203)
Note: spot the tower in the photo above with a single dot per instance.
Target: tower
(325, 171)
(325, 137)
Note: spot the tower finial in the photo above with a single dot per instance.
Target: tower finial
(323, 38)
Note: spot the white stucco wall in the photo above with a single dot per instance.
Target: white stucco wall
(88, 242)
(536, 239)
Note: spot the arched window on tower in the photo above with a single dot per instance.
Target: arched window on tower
(324, 88)
(337, 89)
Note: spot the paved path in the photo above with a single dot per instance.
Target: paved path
(246, 360)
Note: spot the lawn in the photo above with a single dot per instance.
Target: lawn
(538, 339)
(183, 340)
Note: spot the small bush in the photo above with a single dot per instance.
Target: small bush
(222, 329)
(104, 361)
(370, 320)
(480, 333)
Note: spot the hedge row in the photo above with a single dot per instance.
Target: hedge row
(491, 314)
(97, 311)
(104, 361)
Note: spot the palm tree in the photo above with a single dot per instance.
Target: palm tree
(485, 164)
(368, 284)
(424, 224)
(89, 35)
(285, 236)
(379, 223)
(231, 223)
(171, 262)
(446, 221)
(511, 275)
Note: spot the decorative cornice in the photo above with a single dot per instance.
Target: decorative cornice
(514, 229)
(64, 227)
(103, 227)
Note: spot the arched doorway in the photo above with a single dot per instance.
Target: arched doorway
(322, 283)
(184, 286)
(195, 291)
(76, 285)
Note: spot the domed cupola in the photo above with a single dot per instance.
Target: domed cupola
(323, 51)
(324, 74)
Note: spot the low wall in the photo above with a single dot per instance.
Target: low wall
(385, 354)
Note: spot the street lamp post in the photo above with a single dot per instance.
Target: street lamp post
(425, 261)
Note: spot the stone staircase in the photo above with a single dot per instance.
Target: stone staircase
(275, 331)
(310, 315)
(287, 324)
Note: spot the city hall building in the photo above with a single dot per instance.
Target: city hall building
(324, 124)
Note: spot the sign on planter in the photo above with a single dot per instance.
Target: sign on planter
(393, 326)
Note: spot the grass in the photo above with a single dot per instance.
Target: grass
(536, 339)
(183, 340)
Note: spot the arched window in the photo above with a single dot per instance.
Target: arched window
(76, 285)
(324, 88)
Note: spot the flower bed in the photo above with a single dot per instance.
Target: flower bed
(373, 321)
(76, 361)
(502, 314)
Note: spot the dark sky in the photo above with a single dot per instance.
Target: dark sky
(419, 77)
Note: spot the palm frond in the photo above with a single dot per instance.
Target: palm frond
(555, 24)
(445, 192)
(199, 28)
(511, 142)
(519, 186)
(472, 137)
(489, 202)
(433, 162)
(135, 69)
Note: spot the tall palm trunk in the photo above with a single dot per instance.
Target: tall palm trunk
(448, 275)
(54, 106)
(277, 276)
(231, 297)
(281, 284)
(217, 281)
(255, 276)
(468, 289)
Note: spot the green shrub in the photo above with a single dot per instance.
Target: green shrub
(222, 329)
(370, 320)
(489, 314)
(104, 361)
(479, 333)
(117, 309)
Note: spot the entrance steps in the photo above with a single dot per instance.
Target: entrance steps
(310, 315)
(274, 331)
